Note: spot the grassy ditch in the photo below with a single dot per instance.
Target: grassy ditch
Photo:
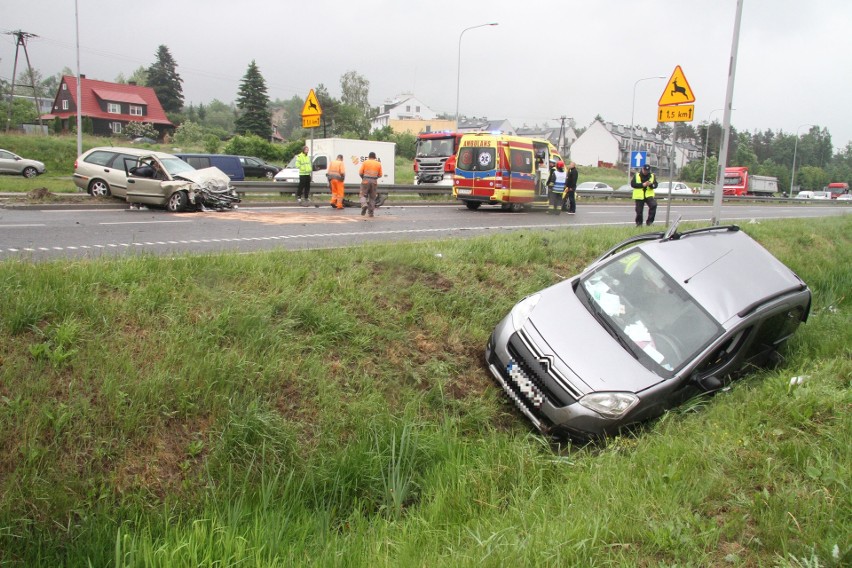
(333, 408)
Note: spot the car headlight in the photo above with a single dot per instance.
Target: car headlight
(610, 404)
(522, 310)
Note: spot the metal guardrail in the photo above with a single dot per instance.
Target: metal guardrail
(287, 188)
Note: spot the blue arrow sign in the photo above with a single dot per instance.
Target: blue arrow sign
(637, 159)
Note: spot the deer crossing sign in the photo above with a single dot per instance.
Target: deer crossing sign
(677, 91)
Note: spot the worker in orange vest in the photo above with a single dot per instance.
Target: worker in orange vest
(336, 174)
(370, 172)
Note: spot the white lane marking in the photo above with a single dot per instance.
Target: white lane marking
(13, 226)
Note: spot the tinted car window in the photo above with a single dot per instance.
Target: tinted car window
(197, 162)
(101, 158)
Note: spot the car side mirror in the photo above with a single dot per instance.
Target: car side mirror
(709, 383)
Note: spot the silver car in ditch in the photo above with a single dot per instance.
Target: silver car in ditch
(657, 319)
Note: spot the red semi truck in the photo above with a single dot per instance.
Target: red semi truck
(435, 157)
(837, 189)
(738, 182)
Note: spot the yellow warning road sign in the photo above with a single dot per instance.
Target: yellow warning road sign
(310, 121)
(312, 106)
(679, 113)
(677, 91)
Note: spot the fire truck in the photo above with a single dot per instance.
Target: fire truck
(435, 157)
(738, 182)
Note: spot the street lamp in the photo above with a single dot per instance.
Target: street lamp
(706, 142)
(632, 113)
(458, 67)
(795, 147)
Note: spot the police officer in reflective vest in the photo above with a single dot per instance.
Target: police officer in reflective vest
(644, 183)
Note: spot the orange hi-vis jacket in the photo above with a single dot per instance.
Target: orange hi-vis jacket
(371, 169)
(337, 170)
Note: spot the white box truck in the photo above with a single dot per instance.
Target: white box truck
(354, 152)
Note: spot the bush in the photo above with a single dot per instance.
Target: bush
(254, 145)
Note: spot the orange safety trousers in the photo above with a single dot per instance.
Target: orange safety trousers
(337, 193)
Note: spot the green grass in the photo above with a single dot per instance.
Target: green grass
(333, 408)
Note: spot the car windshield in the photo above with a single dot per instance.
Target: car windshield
(176, 166)
(647, 309)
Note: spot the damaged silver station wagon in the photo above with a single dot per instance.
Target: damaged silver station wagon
(146, 177)
(656, 320)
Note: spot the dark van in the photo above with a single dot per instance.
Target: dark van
(231, 165)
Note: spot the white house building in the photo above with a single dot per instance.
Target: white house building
(402, 107)
(610, 145)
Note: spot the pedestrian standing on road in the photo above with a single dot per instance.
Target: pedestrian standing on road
(336, 174)
(303, 163)
(569, 203)
(370, 172)
(556, 187)
(644, 183)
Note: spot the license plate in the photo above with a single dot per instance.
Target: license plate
(464, 192)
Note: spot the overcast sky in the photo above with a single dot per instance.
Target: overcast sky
(545, 59)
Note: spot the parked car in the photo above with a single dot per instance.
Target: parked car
(145, 177)
(821, 195)
(143, 140)
(257, 168)
(657, 319)
(11, 163)
(594, 186)
(845, 197)
(805, 195)
(677, 188)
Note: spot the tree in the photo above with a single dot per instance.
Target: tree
(143, 129)
(164, 79)
(355, 91)
(254, 104)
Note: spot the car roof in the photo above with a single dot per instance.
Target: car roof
(131, 151)
(725, 271)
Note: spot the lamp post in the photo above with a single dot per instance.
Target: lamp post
(706, 142)
(632, 113)
(458, 67)
(795, 147)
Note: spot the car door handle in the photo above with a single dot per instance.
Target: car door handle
(131, 181)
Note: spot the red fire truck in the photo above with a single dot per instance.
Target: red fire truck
(435, 157)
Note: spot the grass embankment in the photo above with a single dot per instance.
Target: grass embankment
(333, 408)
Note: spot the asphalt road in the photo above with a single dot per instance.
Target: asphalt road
(36, 234)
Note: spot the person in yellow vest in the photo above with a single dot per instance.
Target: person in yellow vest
(370, 172)
(303, 162)
(336, 174)
(644, 183)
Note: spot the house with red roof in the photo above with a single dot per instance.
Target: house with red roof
(110, 106)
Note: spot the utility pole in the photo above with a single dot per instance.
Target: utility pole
(21, 41)
(561, 143)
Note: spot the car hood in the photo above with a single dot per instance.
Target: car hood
(207, 176)
(583, 345)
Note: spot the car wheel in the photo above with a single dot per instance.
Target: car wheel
(177, 202)
(472, 205)
(30, 172)
(381, 198)
(99, 188)
(270, 175)
(517, 207)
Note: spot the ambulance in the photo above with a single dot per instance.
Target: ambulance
(496, 169)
